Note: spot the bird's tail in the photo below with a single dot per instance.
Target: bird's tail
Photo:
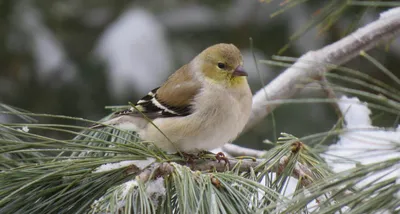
(125, 122)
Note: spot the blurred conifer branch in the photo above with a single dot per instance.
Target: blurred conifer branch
(314, 64)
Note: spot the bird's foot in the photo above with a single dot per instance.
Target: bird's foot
(221, 156)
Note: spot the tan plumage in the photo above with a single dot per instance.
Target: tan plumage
(179, 90)
(202, 106)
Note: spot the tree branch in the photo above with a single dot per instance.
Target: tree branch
(314, 63)
(155, 170)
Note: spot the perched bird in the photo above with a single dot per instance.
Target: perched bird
(203, 105)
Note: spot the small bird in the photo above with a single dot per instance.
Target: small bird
(203, 105)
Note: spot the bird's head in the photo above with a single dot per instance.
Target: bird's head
(222, 64)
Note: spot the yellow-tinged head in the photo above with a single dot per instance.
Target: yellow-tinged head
(222, 64)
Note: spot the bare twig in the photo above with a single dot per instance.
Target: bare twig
(314, 63)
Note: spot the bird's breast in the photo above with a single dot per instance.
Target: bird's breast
(222, 115)
(219, 116)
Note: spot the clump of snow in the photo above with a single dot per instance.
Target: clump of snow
(155, 189)
(135, 50)
(24, 129)
(111, 166)
(127, 186)
(362, 143)
(141, 164)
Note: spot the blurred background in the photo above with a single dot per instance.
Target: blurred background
(74, 57)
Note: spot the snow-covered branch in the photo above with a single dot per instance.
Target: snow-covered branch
(314, 63)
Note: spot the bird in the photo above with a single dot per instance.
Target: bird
(205, 104)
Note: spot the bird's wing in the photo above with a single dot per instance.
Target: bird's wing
(173, 98)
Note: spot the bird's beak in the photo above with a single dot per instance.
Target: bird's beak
(239, 71)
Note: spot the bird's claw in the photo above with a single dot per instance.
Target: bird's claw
(221, 156)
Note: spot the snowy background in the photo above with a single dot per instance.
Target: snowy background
(74, 57)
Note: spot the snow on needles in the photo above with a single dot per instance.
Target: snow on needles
(362, 142)
(141, 164)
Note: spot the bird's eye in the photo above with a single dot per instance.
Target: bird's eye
(221, 65)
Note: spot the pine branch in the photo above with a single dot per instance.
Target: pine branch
(314, 64)
(300, 171)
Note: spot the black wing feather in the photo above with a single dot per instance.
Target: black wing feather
(150, 106)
